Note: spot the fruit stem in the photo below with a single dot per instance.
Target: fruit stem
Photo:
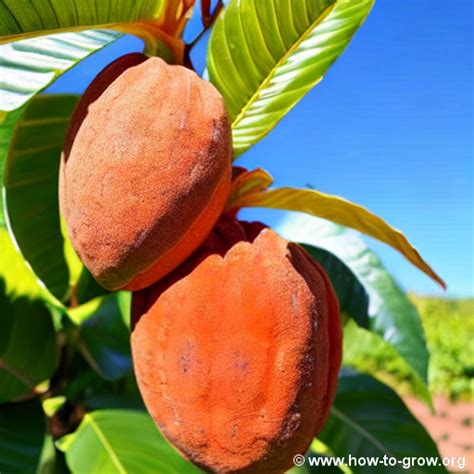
(207, 19)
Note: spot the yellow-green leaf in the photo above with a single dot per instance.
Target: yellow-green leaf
(264, 56)
(340, 211)
(23, 19)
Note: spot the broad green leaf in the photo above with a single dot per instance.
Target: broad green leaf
(29, 66)
(19, 19)
(368, 352)
(369, 419)
(87, 287)
(352, 296)
(29, 352)
(339, 211)
(22, 428)
(6, 134)
(120, 441)
(392, 315)
(264, 56)
(108, 400)
(31, 188)
(104, 340)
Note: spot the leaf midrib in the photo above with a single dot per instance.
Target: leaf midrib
(107, 446)
(16, 374)
(61, 30)
(359, 429)
(281, 61)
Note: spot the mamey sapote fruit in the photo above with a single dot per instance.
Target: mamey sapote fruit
(237, 353)
(146, 170)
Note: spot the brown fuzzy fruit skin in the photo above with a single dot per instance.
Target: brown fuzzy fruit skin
(146, 170)
(237, 354)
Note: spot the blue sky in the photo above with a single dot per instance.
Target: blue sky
(390, 127)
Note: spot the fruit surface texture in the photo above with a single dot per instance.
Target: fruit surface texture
(145, 171)
(237, 354)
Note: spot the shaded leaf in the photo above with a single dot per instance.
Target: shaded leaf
(6, 134)
(353, 299)
(104, 340)
(109, 400)
(369, 419)
(28, 350)
(118, 441)
(392, 315)
(264, 56)
(342, 212)
(22, 428)
(87, 287)
(50, 462)
(31, 188)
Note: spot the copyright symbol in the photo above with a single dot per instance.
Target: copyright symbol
(298, 460)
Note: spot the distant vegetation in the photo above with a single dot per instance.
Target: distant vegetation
(449, 329)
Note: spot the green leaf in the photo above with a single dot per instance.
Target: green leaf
(367, 352)
(34, 17)
(105, 340)
(17, 277)
(87, 287)
(392, 315)
(264, 56)
(29, 353)
(31, 188)
(353, 299)
(52, 405)
(120, 441)
(6, 134)
(369, 419)
(29, 66)
(22, 428)
(28, 349)
(51, 461)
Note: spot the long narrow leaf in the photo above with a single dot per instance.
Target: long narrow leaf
(20, 19)
(265, 55)
(29, 66)
(342, 212)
